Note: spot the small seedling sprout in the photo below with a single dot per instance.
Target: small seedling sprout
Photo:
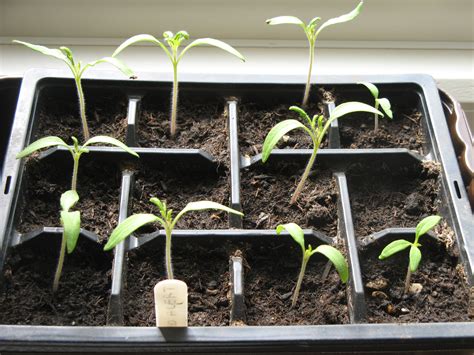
(316, 128)
(383, 102)
(398, 245)
(78, 70)
(174, 42)
(312, 31)
(136, 221)
(76, 150)
(71, 221)
(328, 251)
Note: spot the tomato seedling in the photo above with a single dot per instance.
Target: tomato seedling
(328, 251)
(78, 70)
(174, 41)
(136, 221)
(71, 221)
(312, 32)
(415, 254)
(382, 102)
(76, 150)
(316, 127)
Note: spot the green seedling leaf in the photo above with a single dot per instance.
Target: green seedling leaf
(46, 142)
(295, 231)
(71, 222)
(127, 227)
(426, 224)
(157, 202)
(415, 258)
(111, 141)
(350, 107)
(52, 52)
(68, 53)
(372, 88)
(213, 42)
(386, 107)
(116, 63)
(394, 247)
(314, 21)
(69, 199)
(344, 18)
(276, 133)
(208, 205)
(285, 20)
(302, 114)
(330, 252)
(336, 258)
(204, 205)
(137, 39)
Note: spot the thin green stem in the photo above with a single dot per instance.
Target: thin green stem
(300, 186)
(174, 100)
(82, 109)
(75, 170)
(376, 117)
(308, 81)
(408, 280)
(169, 266)
(296, 293)
(59, 268)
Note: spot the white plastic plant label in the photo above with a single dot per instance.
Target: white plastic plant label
(171, 303)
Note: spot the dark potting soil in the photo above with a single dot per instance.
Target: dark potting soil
(98, 188)
(382, 199)
(83, 291)
(255, 121)
(444, 296)
(267, 190)
(58, 110)
(403, 131)
(270, 280)
(178, 188)
(204, 268)
(200, 125)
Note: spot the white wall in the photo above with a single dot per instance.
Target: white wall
(402, 36)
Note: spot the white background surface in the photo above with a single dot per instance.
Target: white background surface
(404, 36)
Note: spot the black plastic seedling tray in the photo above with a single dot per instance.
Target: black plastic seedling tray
(9, 90)
(232, 90)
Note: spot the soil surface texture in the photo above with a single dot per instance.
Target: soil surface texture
(58, 108)
(98, 188)
(267, 190)
(382, 199)
(255, 121)
(83, 290)
(403, 131)
(204, 268)
(271, 276)
(178, 188)
(439, 292)
(200, 125)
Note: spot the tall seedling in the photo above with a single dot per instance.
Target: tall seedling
(174, 42)
(316, 127)
(78, 70)
(70, 220)
(312, 32)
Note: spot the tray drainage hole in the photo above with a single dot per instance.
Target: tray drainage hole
(458, 191)
(6, 190)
